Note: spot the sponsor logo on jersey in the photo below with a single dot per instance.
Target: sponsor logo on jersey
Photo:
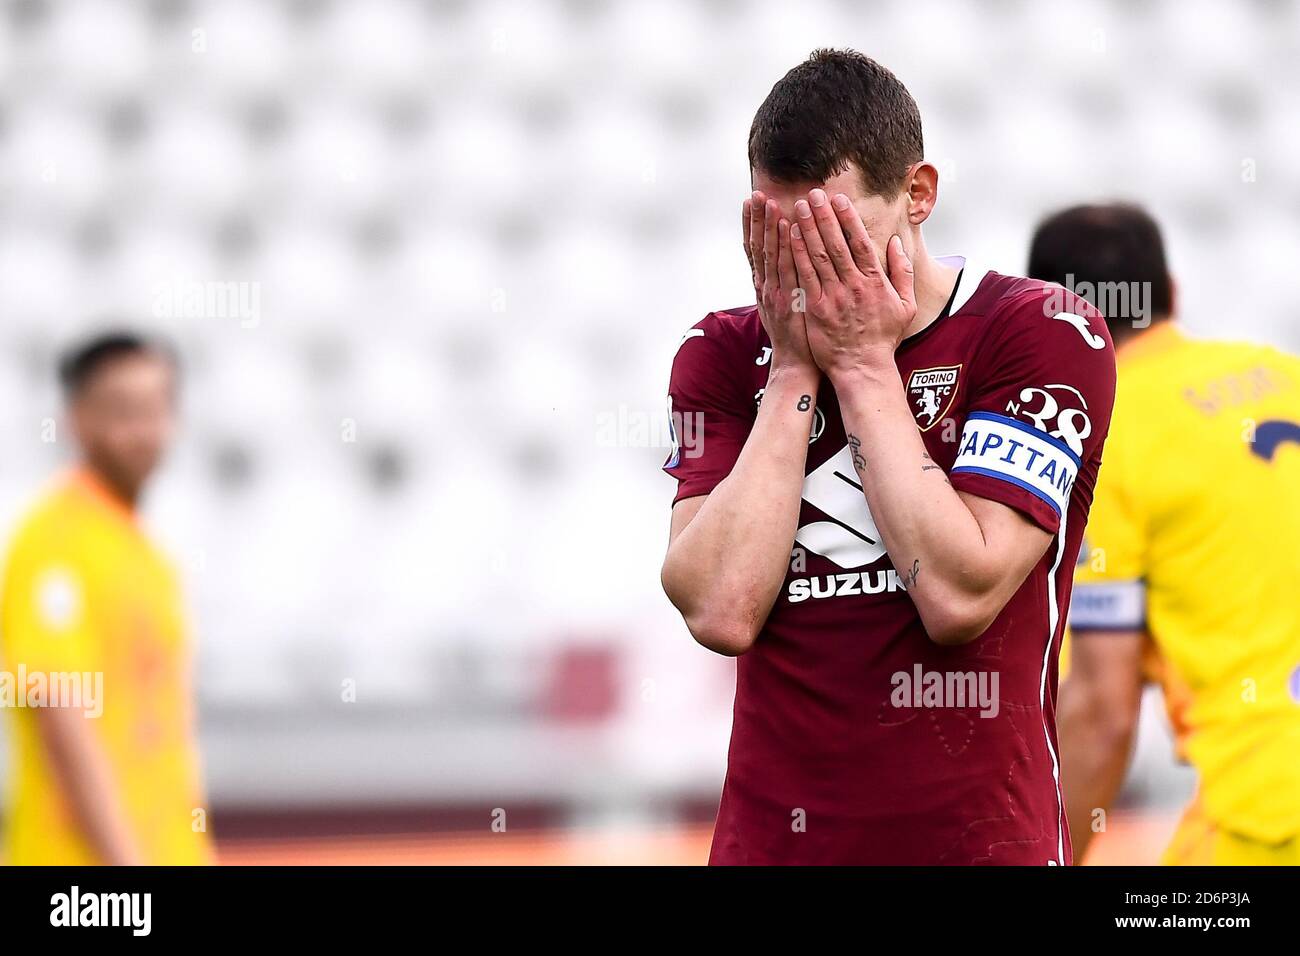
(848, 537)
(931, 392)
(1080, 323)
(855, 584)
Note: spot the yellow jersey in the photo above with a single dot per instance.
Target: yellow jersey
(1194, 537)
(90, 616)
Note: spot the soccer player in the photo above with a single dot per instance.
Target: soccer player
(108, 775)
(1191, 568)
(883, 504)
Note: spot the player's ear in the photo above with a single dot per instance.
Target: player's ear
(922, 185)
(74, 421)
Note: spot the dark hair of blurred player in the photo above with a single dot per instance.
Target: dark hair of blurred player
(120, 393)
(1105, 245)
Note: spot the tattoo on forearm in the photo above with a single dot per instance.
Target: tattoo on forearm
(855, 447)
(805, 403)
(909, 577)
(929, 465)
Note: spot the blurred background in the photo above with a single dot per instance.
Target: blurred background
(427, 263)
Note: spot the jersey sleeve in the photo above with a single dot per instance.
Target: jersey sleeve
(46, 613)
(710, 413)
(1042, 387)
(1109, 582)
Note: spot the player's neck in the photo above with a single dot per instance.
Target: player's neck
(120, 493)
(1129, 338)
(934, 283)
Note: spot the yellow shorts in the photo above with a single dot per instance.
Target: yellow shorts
(1199, 841)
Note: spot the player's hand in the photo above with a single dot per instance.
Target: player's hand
(771, 261)
(857, 310)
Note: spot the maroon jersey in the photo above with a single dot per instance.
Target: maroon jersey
(855, 738)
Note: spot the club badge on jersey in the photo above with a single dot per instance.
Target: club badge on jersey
(931, 392)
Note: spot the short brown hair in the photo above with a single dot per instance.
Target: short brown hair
(837, 108)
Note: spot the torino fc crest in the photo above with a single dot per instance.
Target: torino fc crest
(931, 391)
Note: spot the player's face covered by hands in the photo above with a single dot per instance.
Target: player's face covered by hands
(882, 216)
(766, 236)
(852, 277)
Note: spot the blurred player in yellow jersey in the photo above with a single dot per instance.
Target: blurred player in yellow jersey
(1190, 574)
(109, 775)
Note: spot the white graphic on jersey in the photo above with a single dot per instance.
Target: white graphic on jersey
(690, 334)
(765, 357)
(850, 538)
(58, 598)
(818, 425)
(1072, 425)
(674, 456)
(1080, 322)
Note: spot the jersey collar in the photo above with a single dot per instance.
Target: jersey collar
(968, 280)
(971, 277)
